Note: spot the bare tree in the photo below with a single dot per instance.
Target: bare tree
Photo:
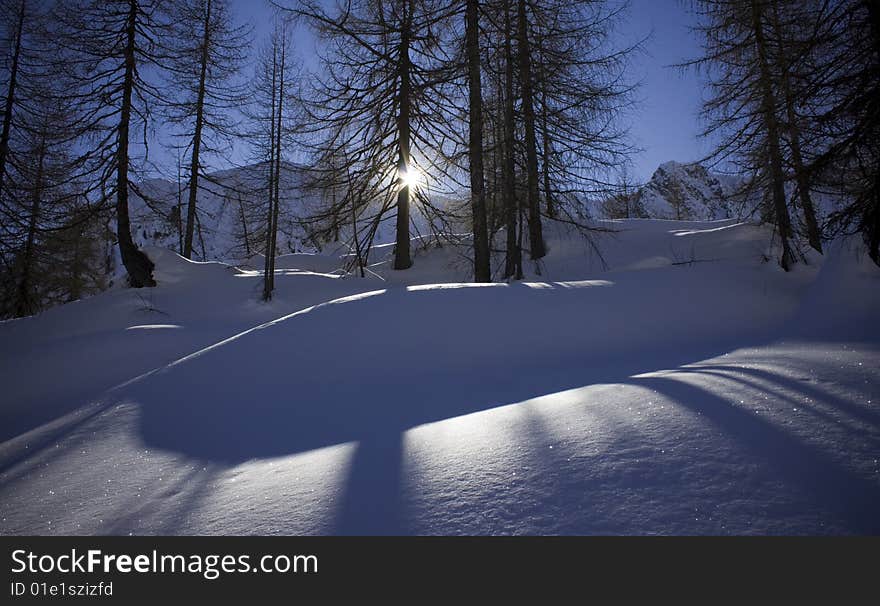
(845, 100)
(110, 46)
(556, 64)
(273, 117)
(14, 22)
(792, 33)
(205, 54)
(377, 104)
(482, 270)
(524, 52)
(743, 112)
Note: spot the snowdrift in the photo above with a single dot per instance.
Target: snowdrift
(678, 383)
(399, 357)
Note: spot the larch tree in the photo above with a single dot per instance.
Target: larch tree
(111, 47)
(205, 51)
(374, 106)
(561, 99)
(792, 33)
(743, 112)
(482, 269)
(844, 98)
(582, 101)
(527, 91)
(41, 198)
(273, 116)
(15, 14)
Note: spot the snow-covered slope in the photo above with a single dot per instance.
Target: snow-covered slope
(678, 385)
(688, 192)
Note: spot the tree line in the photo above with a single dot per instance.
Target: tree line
(86, 83)
(795, 104)
(514, 105)
(512, 108)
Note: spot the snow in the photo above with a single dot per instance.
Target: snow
(678, 385)
(689, 191)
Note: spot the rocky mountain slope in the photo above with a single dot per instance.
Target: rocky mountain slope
(683, 192)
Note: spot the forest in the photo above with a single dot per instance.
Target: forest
(487, 119)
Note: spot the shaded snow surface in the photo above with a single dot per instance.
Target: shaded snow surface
(678, 385)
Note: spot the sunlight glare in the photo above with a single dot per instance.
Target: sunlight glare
(412, 177)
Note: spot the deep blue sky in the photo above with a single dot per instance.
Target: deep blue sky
(665, 123)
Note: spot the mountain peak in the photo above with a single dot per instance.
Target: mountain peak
(686, 191)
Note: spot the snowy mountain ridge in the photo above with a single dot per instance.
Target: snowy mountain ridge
(688, 192)
(681, 192)
(232, 208)
(231, 214)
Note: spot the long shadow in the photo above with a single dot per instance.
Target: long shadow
(372, 412)
(377, 371)
(346, 375)
(853, 410)
(37, 408)
(853, 499)
(211, 422)
(371, 503)
(777, 394)
(39, 449)
(565, 493)
(224, 424)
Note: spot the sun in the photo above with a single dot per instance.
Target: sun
(412, 178)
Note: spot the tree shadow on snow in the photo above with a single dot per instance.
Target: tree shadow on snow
(226, 427)
(824, 482)
(255, 401)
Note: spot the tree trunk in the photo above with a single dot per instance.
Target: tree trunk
(482, 271)
(24, 305)
(873, 7)
(801, 176)
(137, 264)
(349, 191)
(76, 266)
(514, 253)
(498, 209)
(871, 218)
(277, 190)
(872, 222)
(244, 227)
(768, 109)
(545, 137)
(268, 281)
(10, 95)
(547, 148)
(197, 138)
(536, 237)
(402, 259)
(336, 219)
(201, 237)
(800, 171)
(177, 214)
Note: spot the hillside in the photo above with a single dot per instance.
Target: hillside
(683, 386)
